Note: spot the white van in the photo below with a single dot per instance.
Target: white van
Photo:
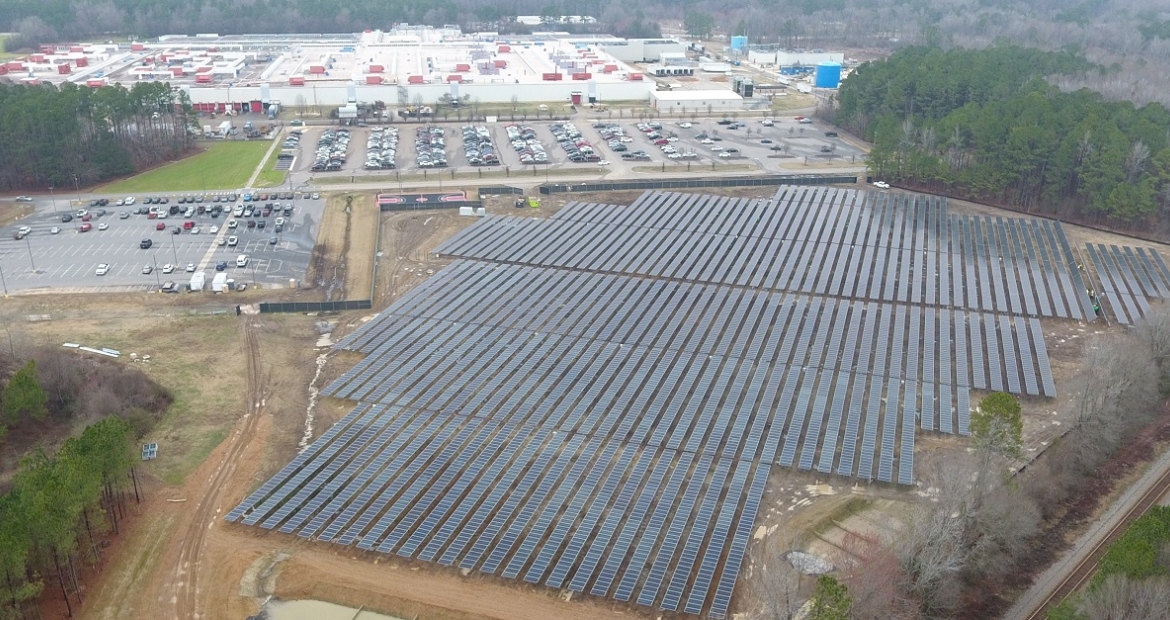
(242, 260)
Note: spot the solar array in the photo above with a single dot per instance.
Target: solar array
(595, 401)
(1129, 276)
(885, 246)
(655, 526)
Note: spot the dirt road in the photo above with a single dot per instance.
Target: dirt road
(185, 570)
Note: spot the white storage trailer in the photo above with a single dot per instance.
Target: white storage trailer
(197, 281)
(219, 283)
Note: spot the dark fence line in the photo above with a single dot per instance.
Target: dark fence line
(500, 190)
(796, 179)
(432, 205)
(316, 306)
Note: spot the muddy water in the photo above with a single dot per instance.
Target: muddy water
(318, 610)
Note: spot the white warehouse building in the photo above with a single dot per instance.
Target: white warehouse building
(684, 101)
(643, 50)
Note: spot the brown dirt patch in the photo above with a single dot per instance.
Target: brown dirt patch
(12, 211)
(342, 261)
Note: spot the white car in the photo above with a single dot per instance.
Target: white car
(103, 226)
(232, 241)
(190, 267)
(604, 162)
(168, 268)
(82, 213)
(725, 154)
(121, 203)
(24, 199)
(881, 185)
(103, 269)
(280, 221)
(625, 139)
(222, 241)
(685, 125)
(54, 230)
(232, 223)
(706, 141)
(129, 201)
(194, 230)
(238, 211)
(213, 229)
(716, 148)
(24, 230)
(673, 155)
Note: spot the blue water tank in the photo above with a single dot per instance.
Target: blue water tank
(739, 44)
(828, 74)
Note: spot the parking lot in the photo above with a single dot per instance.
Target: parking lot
(69, 258)
(698, 141)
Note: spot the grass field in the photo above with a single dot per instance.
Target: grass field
(269, 177)
(224, 165)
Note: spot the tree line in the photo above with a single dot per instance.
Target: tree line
(67, 490)
(986, 124)
(76, 135)
(58, 506)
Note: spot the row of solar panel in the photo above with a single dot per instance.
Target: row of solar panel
(1020, 267)
(681, 318)
(782, 217)
(591, 514)
(1127, 277)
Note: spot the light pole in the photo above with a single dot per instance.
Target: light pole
(54, 198)
(175, 252)
(30, 256)
(154, 257)
(2, 282)
(77, 186)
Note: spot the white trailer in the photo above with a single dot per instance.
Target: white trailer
(197, 281)
(219, 283)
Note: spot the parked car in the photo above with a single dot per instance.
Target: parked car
(147, 270)
(160, 226)
(145, 244)
(103, 269)
(168, 268)
(24, 199)
(86, 227)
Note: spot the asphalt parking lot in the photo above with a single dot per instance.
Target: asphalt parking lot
(777, 148)
(69, 259)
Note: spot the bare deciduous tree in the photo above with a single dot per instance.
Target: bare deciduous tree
(1119, 598)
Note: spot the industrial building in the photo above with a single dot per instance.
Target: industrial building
(644, 50)
(405, 66)
(687, 101)
(769, 56)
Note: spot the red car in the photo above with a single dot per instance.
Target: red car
(160, 226)
(188, 225)
(86, 217)
(86, 227)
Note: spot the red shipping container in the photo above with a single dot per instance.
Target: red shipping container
(454, 78)
(503, 49)
(377, 68)
(373, 79)
(95, 83)
(414, 79)
(551, 77)
(203, 70)
(4, 70)
(177, 71)
(63, 69)
(76, 49)
(203, 78)
(47, 49)
(317, 69)
(82, 62)
(257, 106)
(610, 68)
(137, 47)
(581, 76)
(462, 67)
(37, 58)
(635, 77)
(502, 64)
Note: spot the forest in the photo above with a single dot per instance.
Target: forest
(76, 135)
(988, 125)
(59, 498)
